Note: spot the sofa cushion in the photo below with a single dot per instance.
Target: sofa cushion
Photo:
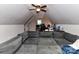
(70, 37)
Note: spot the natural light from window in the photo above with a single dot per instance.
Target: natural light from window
(39, 22)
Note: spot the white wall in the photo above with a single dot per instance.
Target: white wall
(73, 29)
(9, 31)
(31, 26)
(26, 27)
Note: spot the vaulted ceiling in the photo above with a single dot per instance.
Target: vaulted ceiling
(64, 13)
(58, 13)
(13, 13)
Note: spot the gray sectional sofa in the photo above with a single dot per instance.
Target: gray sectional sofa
(70, 37)
(15, 43)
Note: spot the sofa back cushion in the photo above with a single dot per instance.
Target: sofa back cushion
(70, 37)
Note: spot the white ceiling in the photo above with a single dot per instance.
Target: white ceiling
(13, 13)
(64, 13)
(59, 13)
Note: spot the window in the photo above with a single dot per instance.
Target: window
(39, 22)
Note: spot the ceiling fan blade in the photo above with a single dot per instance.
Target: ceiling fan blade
(34, 5)
(43, 6)
(31, 9)
(43, 10)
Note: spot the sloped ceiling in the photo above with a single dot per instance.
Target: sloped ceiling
(13, 13)
(64, 13)
(58, 13)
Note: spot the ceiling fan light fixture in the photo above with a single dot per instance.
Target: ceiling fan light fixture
(38, 9)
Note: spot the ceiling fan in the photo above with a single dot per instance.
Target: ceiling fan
(39, 8)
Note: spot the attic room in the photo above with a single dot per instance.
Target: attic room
(39, 29)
